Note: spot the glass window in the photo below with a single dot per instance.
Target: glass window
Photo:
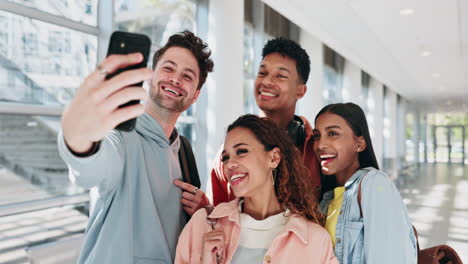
(249, 71)
(365, 83)
(156, 19)
(3, 34)
(30, 44)
(44, 63)
(59, 42)
(30, 166)
(84, 11)
(187, 129)
(333, 76)
(410, 138)
(159, 20)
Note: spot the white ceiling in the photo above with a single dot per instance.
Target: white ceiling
(373, 35)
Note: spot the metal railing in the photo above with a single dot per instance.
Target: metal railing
(30, 206)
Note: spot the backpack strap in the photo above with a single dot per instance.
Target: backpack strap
(188, 164)
(359, 195)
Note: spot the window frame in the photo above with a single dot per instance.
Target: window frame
(32, 13)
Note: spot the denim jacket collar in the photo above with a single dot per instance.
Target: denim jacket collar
(349, 183)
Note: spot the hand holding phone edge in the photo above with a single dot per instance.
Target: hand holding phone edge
(95, 108)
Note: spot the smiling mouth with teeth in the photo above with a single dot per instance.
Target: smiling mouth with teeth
(236, 178)
(267, 94)
(167, 89)
(327, 156)
(325, 159)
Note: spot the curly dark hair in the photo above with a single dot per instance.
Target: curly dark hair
(199, 49)
(292, 186)
(291, 49)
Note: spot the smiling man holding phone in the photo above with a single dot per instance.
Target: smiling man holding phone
(137, 214)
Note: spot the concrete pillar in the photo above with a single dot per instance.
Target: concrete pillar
(416, 135)
(375, 118)
(224, 92)
(401, 128)
(312, 101)
(425, 133)
(390, 125)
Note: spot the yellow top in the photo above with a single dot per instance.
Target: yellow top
(333, 212)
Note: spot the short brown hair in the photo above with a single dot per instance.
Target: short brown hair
(199, 49)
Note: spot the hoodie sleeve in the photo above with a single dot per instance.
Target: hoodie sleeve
(104, 168)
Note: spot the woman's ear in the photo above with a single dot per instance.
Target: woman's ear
(361, 144)
(275, 157)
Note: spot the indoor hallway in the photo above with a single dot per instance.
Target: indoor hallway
(436, 196)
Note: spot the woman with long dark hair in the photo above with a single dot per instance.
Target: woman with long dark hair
(366, 216)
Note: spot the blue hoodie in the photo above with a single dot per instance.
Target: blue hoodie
(137, 215)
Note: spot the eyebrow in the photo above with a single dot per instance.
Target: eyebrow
(280, 68)
(185, 69)
(235, 146)
(240, 144)
(331, 127)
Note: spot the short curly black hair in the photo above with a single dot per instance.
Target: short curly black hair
(186, 39)
(291, 49)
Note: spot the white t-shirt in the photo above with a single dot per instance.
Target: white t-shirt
(256, 236)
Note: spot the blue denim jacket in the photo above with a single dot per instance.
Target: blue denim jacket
(384, 233)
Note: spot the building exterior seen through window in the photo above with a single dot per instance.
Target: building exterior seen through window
(83, 11)
(159, 19)
(32, 56)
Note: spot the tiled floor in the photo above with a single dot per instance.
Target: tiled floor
(24, 230)
(437, 200)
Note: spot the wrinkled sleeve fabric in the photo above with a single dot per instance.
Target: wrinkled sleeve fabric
(189, 247)
(388, 235)
(103, 169)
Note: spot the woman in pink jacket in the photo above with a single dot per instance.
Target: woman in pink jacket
(275, 218)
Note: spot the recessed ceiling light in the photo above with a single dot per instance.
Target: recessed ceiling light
(426, 53)
(406, 11)
(436, 75)
(31, 124)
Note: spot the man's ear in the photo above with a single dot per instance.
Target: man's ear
(195, 97)
(301, 91)
(275, 157)
(361, 144)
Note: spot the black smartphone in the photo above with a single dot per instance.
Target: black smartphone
(124, 43)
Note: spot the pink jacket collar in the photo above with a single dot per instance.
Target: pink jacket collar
(296, 224)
